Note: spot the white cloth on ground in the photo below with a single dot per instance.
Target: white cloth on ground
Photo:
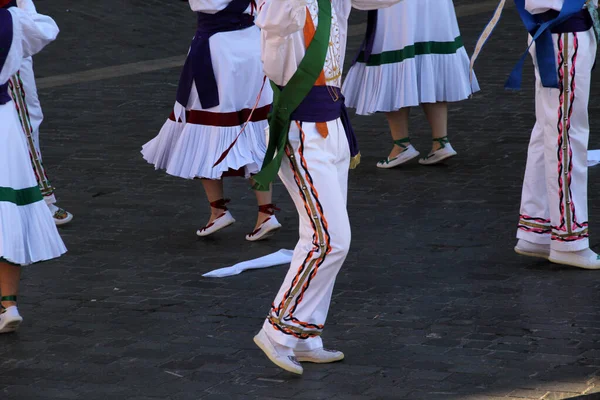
(280, 257)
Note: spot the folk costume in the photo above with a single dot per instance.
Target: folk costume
(23, 91)
(27, 231)
(219, 96)
(311, 145)
(553, 222)
(413, 54)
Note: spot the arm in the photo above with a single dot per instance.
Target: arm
(540, 6)
(281, 17)
(373, 4)
(31, 32)
(208, 6)
(26, 5)
(36, 31)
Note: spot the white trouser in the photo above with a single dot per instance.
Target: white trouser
(33, 101)
(554, 206)
(315, 173)
(23, 91)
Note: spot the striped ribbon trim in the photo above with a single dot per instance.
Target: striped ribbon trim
(485, 35)
(21, 197)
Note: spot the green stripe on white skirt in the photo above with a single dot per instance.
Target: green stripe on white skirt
(21, 197)
(408, 52)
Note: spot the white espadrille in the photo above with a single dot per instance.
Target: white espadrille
(10, 320)
(444, 152)
(60, 215)
(265, 230)
(222, 221)
(407, 154)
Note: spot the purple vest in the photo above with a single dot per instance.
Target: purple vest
(198, 66)
(6, 37)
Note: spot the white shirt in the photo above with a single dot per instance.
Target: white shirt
(282, 24)
(540, 6)
(212, 6)
(31, 33)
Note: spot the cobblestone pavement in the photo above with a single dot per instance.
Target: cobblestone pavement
(432, 303)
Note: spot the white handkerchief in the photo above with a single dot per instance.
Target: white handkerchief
(593, 157)
(280, 257)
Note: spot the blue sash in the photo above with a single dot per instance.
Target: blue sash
(544, 47)
(6, 38)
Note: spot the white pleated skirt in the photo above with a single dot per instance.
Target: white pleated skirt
(28, 233)
(418, 57)
(189, 149)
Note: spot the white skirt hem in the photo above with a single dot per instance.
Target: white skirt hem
(189, 151)
(428, 78)
(29, 234)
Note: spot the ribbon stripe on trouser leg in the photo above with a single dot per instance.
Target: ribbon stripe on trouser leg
(554, 199)
(315, 173)
(23, 91)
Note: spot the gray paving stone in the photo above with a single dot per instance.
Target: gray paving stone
(432, 303)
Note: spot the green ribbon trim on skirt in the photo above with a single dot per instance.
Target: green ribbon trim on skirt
(418, 49)
(21, 197)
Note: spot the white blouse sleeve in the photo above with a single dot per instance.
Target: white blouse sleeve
(281, 17)
(31, 33)
(208, 6)
(540, 6)
(26, 5)
(373, 4)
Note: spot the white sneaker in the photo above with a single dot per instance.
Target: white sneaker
(10, 320)
(319, 356)
(279, 355)
(439, 155)
(265, 230)
(530, 249)
(407, 154)
(586, 259)
(222, 221)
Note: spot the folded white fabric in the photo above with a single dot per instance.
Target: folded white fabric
(593, 157)
(280, 257)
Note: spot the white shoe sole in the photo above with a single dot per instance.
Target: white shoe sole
(436, 160)
(320, 360)
(531, 254)
(219, 223)
(11, 325)
(574, 264)
(402, 158)
(267, 234)
(267, 350)
(266, 230)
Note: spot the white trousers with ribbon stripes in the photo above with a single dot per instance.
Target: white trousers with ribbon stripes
(315, 173)
(554, 207)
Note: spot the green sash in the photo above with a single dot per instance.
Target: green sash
(287, 100)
